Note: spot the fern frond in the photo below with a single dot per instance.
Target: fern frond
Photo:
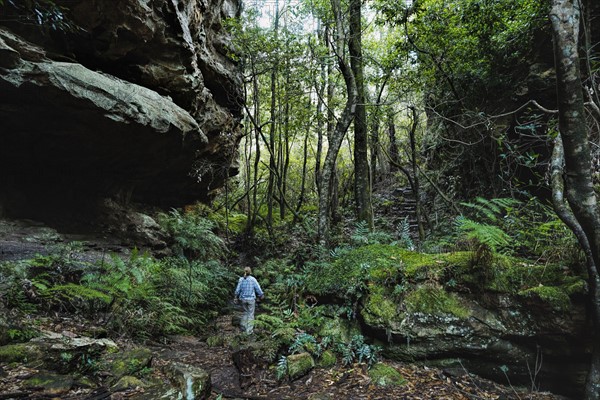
(489, 235)
(491, 209)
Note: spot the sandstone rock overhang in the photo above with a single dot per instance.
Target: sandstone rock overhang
(64, 125)
(142, 104)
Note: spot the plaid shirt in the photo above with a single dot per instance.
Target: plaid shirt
(247, 288)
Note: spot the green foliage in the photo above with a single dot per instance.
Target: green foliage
(358, 351)
(430, 299)
(489, 235)
(303, 342)
(192, 235)
(351, 270)
(281, 369)
(490, 209)
(385, 375)
(201, 288)
(558, 299)
(72, 297)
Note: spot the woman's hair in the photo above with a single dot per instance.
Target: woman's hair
(247, 271)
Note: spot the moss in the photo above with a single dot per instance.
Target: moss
(52, 384)
(339, 329)
(327, 359)
(555, 297)
(127, 382)
(378, 263)
(512, 275)
(577, 287)
(128, 362)
(22, 352)
(434, 300)
(215, 341)
(384, 375)
(378, 309)
(299, 365)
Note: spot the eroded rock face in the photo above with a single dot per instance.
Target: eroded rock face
(141, 104)
(506, 338)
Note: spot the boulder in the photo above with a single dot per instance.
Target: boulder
(190, 382)
(385, 375)
(50, 384)
(299, 365)
(501, 335)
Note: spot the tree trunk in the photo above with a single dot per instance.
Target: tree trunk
(415, 173)
(362, 181)
(320, 88)
(337, 136)
(394, 155)
(580, 194)
(273, 126)
(304, 167)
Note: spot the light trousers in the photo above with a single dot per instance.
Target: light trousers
(247, 322)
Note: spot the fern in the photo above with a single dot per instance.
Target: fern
(303, 340)
(282, 368)
(404, 234)
(74, 296)
(491, 209)
(361, 233)
(489, 235)
(192, 234)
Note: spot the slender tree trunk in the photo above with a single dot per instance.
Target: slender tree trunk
(374, 148)
(285, 146)
(376, 122)
(304, 166)
(394, 154)
(320, 87)
(580, 194)
(415, 173)
(362, 182)
(273, 126)
(342, 125)
(247, 169)
(256, 117)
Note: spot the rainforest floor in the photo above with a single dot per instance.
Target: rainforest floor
(337, 382)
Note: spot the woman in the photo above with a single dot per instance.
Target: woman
(246, 291)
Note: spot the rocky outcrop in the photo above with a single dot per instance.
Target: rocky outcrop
(520, 340)
(141, 103)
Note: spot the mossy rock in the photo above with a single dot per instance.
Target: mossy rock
(339, 329)
(127, 362)
(299, 365)
(435, 300)
(327, 359)
(512, 275)
(127, 382)
(21, 352)
(384, 375)
(50, 384)
(379, 309)
(554, 296)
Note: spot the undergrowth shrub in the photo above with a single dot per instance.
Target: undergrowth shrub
(192, 235)
(202, 288)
